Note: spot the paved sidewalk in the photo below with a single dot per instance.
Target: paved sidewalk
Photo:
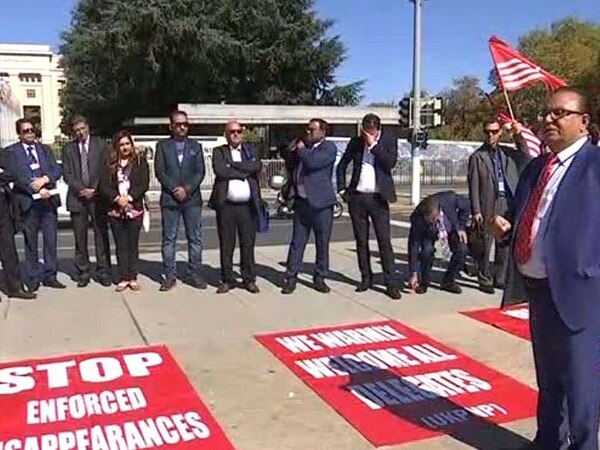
(258, 401)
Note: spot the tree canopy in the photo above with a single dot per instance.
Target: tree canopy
(124, 58)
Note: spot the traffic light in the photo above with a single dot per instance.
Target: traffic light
(405, 112)
(432, 112)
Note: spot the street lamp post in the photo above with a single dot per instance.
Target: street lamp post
(416, 156)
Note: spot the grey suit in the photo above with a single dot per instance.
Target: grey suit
(83, 211)
(487, 200)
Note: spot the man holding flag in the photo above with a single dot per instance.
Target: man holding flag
(492, 177)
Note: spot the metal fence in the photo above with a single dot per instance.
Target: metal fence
(433, 172)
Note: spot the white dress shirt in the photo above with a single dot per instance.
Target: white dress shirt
(34, 151)
(238, 190)
(536, 266)
(367, 182)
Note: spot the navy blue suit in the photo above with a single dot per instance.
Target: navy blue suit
(422, 237)
(314, 211)
(189, 174)
(36, 214)
(565, 307)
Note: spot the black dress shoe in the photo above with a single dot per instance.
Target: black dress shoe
(224, 288)
(252, 287)
(33, 287)
(22, 295)
(500, 286)
(198, 282)
(454, 288)
(422, 288)
(364, 285)
(54, 284)
(167, 284)
(83, 282)
(320, 286)
(104, 282)
(289, 286)
(393, 293)
(487, 289)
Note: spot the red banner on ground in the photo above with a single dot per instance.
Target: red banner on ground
(513, 320)
(122, 399)
(395, 385)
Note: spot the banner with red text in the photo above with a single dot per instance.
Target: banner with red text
(395, 385)
(121, 399)
(513, 320)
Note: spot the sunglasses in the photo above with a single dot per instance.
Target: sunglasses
(235, 131)
(181, 124)
(559, 113)
(28, 130)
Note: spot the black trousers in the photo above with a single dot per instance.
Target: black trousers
(486, 276)
(457, 260)
(126, 233)
(371, 206)
(99, 220)
(8, 250)
(237, 220)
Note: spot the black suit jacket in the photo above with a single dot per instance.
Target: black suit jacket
(386, 155)
(456, 209)
(71, 163)
(7, 197)
(170, 173)
(226, 169)
(18, 166)
(139, 180)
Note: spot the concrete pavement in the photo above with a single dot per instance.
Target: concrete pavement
(259, 403)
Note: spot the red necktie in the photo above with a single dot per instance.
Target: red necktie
(523, 244)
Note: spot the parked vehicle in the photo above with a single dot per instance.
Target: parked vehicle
(285, 208)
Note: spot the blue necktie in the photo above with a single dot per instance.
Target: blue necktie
(32, 160)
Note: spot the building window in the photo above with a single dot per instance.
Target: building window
(30, 93)
(30, 77)
(33, 113)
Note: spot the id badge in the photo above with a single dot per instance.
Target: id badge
(501, 186)
(34, 166)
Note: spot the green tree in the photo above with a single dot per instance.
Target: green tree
(465, 108)
(124, 58)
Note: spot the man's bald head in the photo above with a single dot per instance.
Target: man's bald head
(234, 132)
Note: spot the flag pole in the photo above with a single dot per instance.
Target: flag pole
(510, 110)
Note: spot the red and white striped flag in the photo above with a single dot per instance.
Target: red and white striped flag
(515, 71)
(534, 145)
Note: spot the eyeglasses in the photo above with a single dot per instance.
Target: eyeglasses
(235, 131)
(312, 129)
(492, 131)
(181, 124)
(559, 113)
(28, 130)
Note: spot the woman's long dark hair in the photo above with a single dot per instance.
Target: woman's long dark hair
(116, 156)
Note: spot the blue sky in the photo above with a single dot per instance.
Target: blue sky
(377, 33)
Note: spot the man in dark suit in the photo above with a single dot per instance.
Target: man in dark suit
(492, 177)
(557, 268)
(310, 167)
(83, 160)
(8, 225)
(440, 217)
(236, 198)
(36, 172)
(373, 155)
(179, 167)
